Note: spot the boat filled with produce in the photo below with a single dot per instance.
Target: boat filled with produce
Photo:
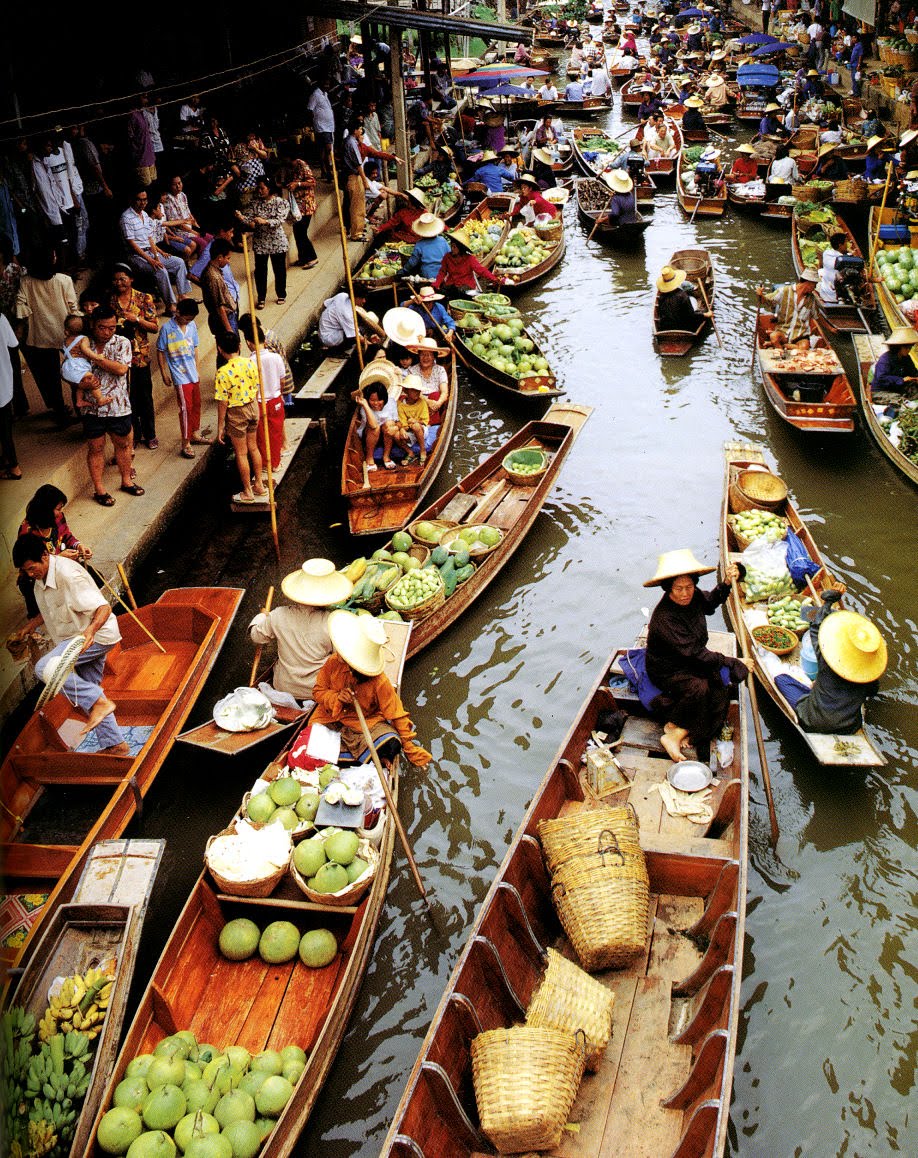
(495, 343)
(526, 256)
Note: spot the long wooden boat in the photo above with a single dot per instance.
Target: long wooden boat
(809, 389)
(646, 189)
(751, 205)
(255, 1005)
(565, 162)
(489, 495)
(856, 750)
(382, 501)
(154, 691)
(663, 1085)
(492, 210)
(867, 348)
(536, 386)
(519, 280)
(840, 316)
(689, 136)
(100, 927)
(699, 276)
(664, 168)
(695, 206)
(880, 216)
(592, 199)
(375, 278)
(588, 109)
(633, 92)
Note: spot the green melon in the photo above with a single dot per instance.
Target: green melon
(239, 939)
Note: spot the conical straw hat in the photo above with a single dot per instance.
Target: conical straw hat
(852, 647)
(360, 640)
(673, 563)
(317, 584)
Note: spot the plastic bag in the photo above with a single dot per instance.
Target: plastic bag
(799, 563)
(243, 710)
(766, 570)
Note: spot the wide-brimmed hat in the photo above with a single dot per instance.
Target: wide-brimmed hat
(670, 279)
(417, 195)
(416, 382)
(693, 30)
(427, 293)
(426, 344)
(544, 156)
(428, 225)
(510, 150)
(381, 371)
(56, 671)
(360, 640)
(317, 584)
(907, 138)
(773, 107)
(721, 54)
(809, 275)
(912, 175)
(403, 326)
(813, 72)
(527, 179)
(710, 154)
(674, 563)
(694, 102)
(874, 141)
(747, 149)
(489, 155)
(829, 147)
(903, 336)
(462, 239)
(618, 180)
(852, 647)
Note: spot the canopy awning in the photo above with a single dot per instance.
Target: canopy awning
(864, 10)
(757, 75)
(395, 17)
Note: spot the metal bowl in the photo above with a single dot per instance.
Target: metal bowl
(690, 776)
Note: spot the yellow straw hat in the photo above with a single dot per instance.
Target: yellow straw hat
(674, 563)
(428, 225)
(852, 647)
(379, 370)
(874, 141)
(670, 279)
(360, 640)
(826, 149)
(903, 336)
(317, 584)
(694, 103)
(747, 149)
(417, 195)
(619, 181)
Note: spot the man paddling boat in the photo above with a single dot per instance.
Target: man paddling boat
(794, 308)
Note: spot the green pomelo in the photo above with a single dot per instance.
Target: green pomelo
(293, 1071)
(224, 1076)
(308, 805)
(327, 773)
(401, 557)
(252, 1081)
(279, 942)
(412, 564)
(268, 1061)
(172, 1046)
(287, 817)
(293, 1053)
(260, 808)
(196, 1125)
(240, 1057)
(425, 530)
(164, 1071)
(236, 1106)
(137, 1067)
(265, 1127)
(239, 939)
(210, 1146)
(382, 555)
(131, 1092)
(356, 869)
(309, 856)
(342, 847)
(244, 1137)
(330, 878)
(273, 1096)
(199, 1096)
(192, 1070)
(152, 1144)
(317, 949)
(163, 1107)
(490, 536)
(401, 541)
(284, 791)
(118, 1129)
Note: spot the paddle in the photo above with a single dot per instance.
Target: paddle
(257, 660)
(757, 723)
(125, 605)
(709, 308)
(599, 219)
(390, 803)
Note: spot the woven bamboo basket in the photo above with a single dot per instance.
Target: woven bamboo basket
(603, 901)
(569, 998)
(763, 488)
(449, 537)
(352, 894)
(304, 827)
(442, 525)
(528, 457)
(578, 834)
(851, 192)
(551, 230)
(258, 888)
(741, 541)
(526, 1081)
(421, 609)
(784, 649)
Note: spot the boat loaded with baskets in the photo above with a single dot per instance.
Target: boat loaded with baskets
(809, 389)
(890, 243)
(495, 345)
(593, 197)
(212, 986)
(811, 232)
(594, 150)
(594, 1009)
(699, 280)
(382, 267)
(892, 419)
(382, 501)
(486, 227)
(756, 505)
(154, 682)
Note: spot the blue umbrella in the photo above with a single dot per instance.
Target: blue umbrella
(693, 12)
(781, 46)
(758, 38)
(507, 90)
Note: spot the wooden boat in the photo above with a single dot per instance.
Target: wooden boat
(154, 692)
(809, 389)
(101, 926)
(880, 216)
(488, 495)
(493, 208)
(259, 1006)
(587, 109)
(646, 189)
(565, 162)
(853, 751)
(383, 501)
(378, 283)
(867, 348)
(689, 136)
(840, 316)
(663, 168)
(698, 273)
(547, 40)
(664, 1083)
(750, 205)
(533, 387)
(633, 94)
(522, 279)
(694, 206)
(750, 105)
(593, 198)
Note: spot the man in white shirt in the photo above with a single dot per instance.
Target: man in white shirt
(548, 92)
(59, 187)
(70, 604)
(323, 125)
(336, 322)
(600, 85)
(145, 255)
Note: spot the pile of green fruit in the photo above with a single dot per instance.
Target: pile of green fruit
(426, 530)
(479, 538)
(760, 585)
(278, 943)
(760, 525)
(387, 261)
(899, 271)
(908, 439)
(446, 193)
(381, 571)
(414, 589)
(284, 801)
(788, 612)
(482, 236)
(198, 1100)
(328, 861)
(522, 250)
(507, 348)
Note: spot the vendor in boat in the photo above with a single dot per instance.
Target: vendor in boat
(769, 125)
(542, 162)
(430, 248)
(433, 376)
(530, 203)
(813, 88)
(827, 288)
(336, 322)
(692, 120)
(715, 88)
(548, 92)
(895, 371)
(794, 309)
(622, 207)
(694, 695)
(745, 166)
(70, 604)
(630, 156)
(650, 104)
(509, 165)
(575, 61)
(398, 227)
(488, 173)
(830, 167)
(545, 136)
(574, 90)
(300, 631)
(355, 672)
(658, 143)
(460, 270)
(876, 160)
(783, 168)
(850, 656)
(435, 316)
(676, 309)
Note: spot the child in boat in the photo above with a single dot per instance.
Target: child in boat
(413, 416)
(380, 411)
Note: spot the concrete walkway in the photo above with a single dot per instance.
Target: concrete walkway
(127, 531)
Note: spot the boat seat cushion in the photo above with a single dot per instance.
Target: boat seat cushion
(634, 666)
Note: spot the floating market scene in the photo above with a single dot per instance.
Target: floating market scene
(460, 669)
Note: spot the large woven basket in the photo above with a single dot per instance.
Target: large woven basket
(763, 488)
(741, 541)
(431, 603)
(442, 525)
(526, 1081)
(578, 834)
(258, 888)
(851, 192)
(603, 901)
(569, 998)
(352, 894)
(528, 456)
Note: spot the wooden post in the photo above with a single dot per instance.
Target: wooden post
(347, 261)
(402, 148)
(871, 268)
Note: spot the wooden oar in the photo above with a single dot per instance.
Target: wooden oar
(143, 627)
(390, 803)
(599, 220)
(871, 268)
(757, 723)
(709, 308)
(258, 650)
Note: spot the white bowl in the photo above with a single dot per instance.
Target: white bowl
(690, 776)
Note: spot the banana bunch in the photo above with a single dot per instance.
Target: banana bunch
(42, 1138)
(17, 1031)
(56, 1083)
(81, 1004)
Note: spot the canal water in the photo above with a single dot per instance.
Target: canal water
(827, 1051)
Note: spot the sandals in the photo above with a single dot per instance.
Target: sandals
(388, 464)
(186, 452)
(281, 301)
(259, 305)
(153, 444)
(245, 500)
(202, 441)
(8, 476)
(104, 500)
(371, 466)
(133, 489)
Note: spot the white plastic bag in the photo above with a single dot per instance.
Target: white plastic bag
(243, 710)
(766, 570)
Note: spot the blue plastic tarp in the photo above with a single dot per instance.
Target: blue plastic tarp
(757, 76)
(758, 38)
(778, 46)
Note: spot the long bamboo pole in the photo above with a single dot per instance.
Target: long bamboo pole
(875, 241)
(347, 260)
(127, 607)
(272, 505)
(257, 660)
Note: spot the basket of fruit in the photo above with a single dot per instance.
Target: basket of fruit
(486, 300)
(467, 306)
(248, 862)
(780, 640)
(526, 466)
(479, 540)
(335, 867)
(296, 814)
(757, 524)
(789, 611)
(417, 594)
(428, 532)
